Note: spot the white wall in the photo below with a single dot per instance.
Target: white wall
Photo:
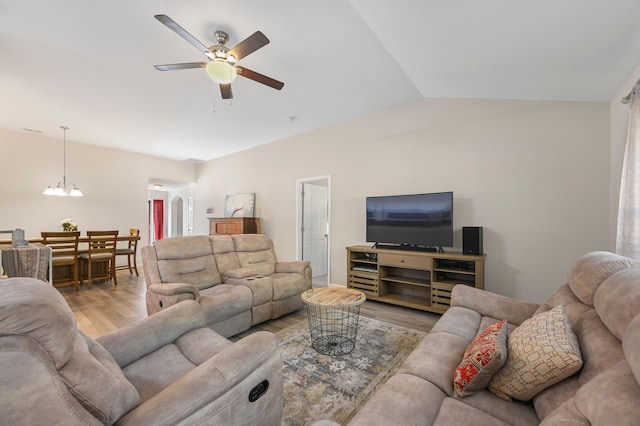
(535, 175)
(114, 184)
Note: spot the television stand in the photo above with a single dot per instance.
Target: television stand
(407, 247)
(406, 276)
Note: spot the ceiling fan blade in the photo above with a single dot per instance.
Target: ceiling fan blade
(183, 66)
(249, 45)
(252, 75)
(172, 25)
(225, 89)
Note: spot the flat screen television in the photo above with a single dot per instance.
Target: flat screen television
(416, 220)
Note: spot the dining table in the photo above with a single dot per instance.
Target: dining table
(31, 261)
(20, 261)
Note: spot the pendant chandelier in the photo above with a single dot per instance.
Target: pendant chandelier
(61, 189)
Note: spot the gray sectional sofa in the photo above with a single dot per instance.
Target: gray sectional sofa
(236, 278)
(167, 369)
(602, 303)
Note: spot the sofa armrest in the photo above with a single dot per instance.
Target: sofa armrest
(207, 390)
(171, 289)
(295, 266)
(144, 337)
(240, 273)
(492, 305)
(163, 295)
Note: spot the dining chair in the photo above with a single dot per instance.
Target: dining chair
(102, 249)
(130, 251)
(64, 252)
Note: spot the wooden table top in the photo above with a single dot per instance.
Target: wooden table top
(81, 239)
(334, 297)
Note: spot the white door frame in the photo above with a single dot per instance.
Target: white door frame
(299, 186)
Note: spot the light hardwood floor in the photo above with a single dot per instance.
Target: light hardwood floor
(101, 308)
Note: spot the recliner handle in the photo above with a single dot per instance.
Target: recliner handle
(258, 391)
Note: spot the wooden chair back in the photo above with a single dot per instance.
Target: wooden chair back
(133, 232)
(64, 252)
(102, 245)
(63, 244)
(130, 251)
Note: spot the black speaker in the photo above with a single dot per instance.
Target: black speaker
(472, 240)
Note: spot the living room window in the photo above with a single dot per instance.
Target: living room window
(628, 233)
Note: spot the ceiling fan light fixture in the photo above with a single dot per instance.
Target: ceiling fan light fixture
(221, 71)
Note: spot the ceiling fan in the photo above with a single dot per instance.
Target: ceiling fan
(222, 66)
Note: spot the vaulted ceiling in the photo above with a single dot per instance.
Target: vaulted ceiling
(89, 64)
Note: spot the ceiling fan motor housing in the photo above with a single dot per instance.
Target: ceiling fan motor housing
(222, 66)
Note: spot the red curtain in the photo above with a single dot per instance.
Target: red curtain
(158, 218)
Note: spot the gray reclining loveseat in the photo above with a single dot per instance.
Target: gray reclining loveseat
(236, 278)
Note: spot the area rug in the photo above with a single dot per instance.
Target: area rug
(320, 387)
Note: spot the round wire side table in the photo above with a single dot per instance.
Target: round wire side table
(333, 314)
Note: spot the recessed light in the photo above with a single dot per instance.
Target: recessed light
(290, 118)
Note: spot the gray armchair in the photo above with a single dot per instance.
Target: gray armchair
(167, 369)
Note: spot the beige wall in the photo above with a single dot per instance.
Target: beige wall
(114, 183)
(535, 175)
(538, 176)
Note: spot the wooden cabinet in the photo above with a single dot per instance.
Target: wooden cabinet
(234, 225)
(415, 279)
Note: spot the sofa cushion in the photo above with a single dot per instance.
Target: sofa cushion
(251, 242)
(403, 400)
(222, 244)
(263, 262)
(200, 272)
(600, 349)
(149, 375)
(454, 412)
(88, 370)
(484, 356)
(511, 412)
(617, 301)
(182, 247)
(547, 401)
(50, 322)
(611, 398)
(590, 270)
(225, 301)
(542, 351)
(572, 305)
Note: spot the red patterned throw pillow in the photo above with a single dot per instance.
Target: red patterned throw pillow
(484, 356)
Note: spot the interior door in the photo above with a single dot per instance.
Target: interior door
(315, 227)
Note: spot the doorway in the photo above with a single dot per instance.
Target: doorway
(313, 226)
(177, 210)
